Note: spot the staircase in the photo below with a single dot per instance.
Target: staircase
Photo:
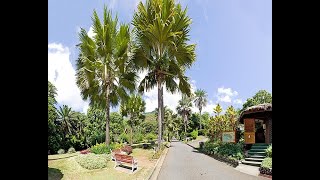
(256, 154)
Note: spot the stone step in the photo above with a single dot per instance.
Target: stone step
(254, 159)
(257, 153)
(257, 150)
(252, 163)
(259, 147)
(257, 156)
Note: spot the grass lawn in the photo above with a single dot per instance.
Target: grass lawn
(68, 168)
(61, 156)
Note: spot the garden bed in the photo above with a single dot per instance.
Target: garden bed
(68, 168)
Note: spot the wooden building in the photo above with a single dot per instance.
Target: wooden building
(257, 122)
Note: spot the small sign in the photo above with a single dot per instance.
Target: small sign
(229, 136)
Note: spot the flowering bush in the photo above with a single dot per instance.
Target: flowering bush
(86, 151)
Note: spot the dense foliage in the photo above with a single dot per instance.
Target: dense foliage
(260, 97)
(225, 149)
(269, 151)
(221, 123)
(194, 134)
(101, 148)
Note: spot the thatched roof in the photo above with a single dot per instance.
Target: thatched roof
(266, 107)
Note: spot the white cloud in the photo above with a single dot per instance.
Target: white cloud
(62, 75)
(171, 100)
(226, 94)
(238, 101)
(225, 98)
(209, 107)
(90, 32)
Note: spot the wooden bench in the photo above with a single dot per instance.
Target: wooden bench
(115, 151)
(122, 158)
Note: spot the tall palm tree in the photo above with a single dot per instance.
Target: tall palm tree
(184, 109)
(105, 71)
(133, 108)
(161, 34)
(200, 100)
(66, 116)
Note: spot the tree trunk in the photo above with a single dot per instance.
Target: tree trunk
(185, 123)
(200, 118)
(131, 135)
(107, 117)
(160, 113)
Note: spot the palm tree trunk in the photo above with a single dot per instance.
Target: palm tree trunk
(200, 119)
(160, 114)
(107, 116)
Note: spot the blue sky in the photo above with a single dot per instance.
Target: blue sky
(234, 48)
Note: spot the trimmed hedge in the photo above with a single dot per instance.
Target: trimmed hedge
(93, 161)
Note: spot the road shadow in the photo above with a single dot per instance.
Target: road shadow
(54, 174)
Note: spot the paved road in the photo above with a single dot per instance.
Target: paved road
(185, 163)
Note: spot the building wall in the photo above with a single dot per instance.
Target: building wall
(270, 130)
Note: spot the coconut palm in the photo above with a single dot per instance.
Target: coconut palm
(184, 109)
(133, 108)
(161, 35)
(65, 117)
(200, 101)
(105, 72)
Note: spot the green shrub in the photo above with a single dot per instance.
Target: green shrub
(267, 162)
(183, 136)
(71, 150)
(194, 134)
(266, 166)
(116, 146)
(151, 136)
(100, 149)
(124, 138)
(231, 149)
(61, 151)
(201, 132)
(137, 137)
(93, 161)
(269, 151)
(225, 149)
(210, 147)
